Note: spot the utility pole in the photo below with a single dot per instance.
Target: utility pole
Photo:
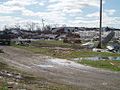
(43, 24)
(100, 30)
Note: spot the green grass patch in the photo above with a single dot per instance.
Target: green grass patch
(88, 53)
(106, 64)
(69, 54)
(53, 43)
(50, 43)
(4, 86)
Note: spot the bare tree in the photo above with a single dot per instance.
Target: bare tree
(30, 26)
(38, 27)
(48, 27)
(17, 26)
(55, 25)
(64, 25)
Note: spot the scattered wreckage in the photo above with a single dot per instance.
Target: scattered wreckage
(72, 38)
(22, 42)
(5, 73)
(115, 48)
(88, 45)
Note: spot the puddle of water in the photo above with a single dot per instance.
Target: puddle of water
(64, 62)
(60, 61)
(97, 58)
(45, 66)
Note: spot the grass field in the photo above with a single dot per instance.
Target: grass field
(106, 64)
(66, 54)
(54, 43)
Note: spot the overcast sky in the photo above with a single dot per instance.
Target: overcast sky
(82, 13)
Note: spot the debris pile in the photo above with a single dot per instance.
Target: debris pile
(11, 75)
(72, 38)
(10, 80)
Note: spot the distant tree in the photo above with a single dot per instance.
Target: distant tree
(64, 25)
(47, 29)
(38, 27)
(5, 27)
(30, 26)
(16, 26)
(55, 25)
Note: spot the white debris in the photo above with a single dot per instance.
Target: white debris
(104, 83)
(9, 74)
(10, 83)
(110, 47)
(112, 63)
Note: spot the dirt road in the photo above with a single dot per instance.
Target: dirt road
(61, 71)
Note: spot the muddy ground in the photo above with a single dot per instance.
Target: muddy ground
(61, 72)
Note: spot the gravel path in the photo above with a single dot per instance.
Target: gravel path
(61, 71)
